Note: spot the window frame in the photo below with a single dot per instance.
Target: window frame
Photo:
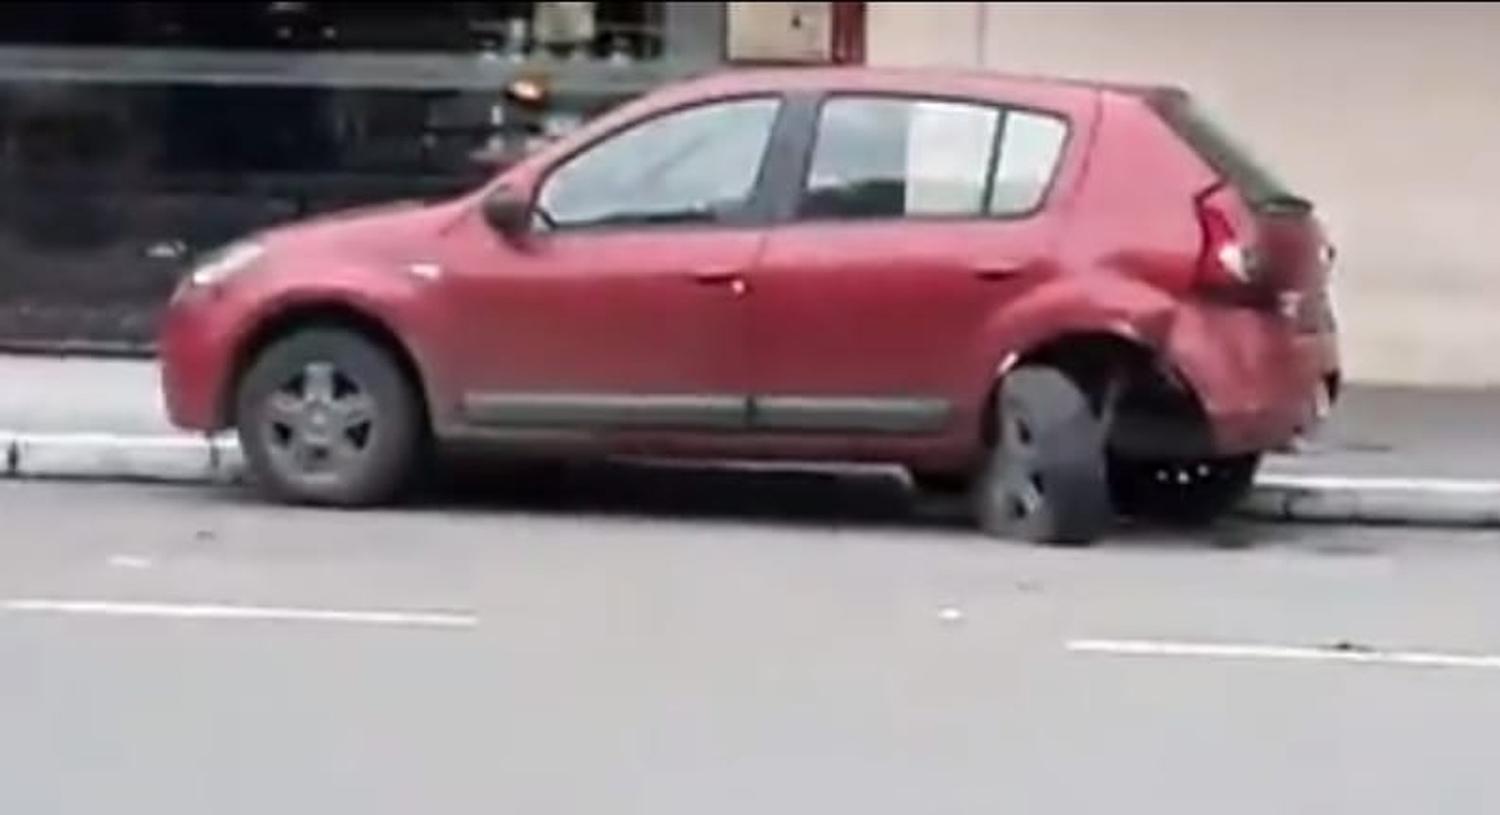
(1064, 150)
(755, 213)
(810, 112)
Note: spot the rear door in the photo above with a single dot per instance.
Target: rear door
(917, 218)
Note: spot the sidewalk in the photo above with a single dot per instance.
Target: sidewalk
(1389, 454)
(40, 394)
(82, 417)
(1393, 455)
(1410, 433)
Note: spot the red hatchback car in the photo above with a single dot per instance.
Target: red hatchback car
(1066, 299)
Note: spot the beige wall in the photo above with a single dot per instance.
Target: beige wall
(1388, 115)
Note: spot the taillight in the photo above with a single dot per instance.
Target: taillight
(1227, 260)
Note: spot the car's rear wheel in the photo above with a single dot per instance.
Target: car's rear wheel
(1046, 479)
(1181, 492)
(327, 417)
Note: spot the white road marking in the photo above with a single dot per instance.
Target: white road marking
(242, 613)
(1157, 648)
(129, 562)
(951, 614)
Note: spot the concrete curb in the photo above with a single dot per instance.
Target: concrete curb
(86, 349)
(1417, 501)
(1276, 497)
(114, 457)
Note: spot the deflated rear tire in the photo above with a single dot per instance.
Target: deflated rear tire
(326, 417)
(1046, 480)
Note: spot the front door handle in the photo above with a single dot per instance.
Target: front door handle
(723, 277)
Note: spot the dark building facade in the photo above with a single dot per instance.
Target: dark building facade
(133, 134)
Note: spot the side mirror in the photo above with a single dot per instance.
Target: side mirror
(507, 213)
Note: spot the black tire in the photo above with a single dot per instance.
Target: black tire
(299, 409)
(1181, 492)
(1046, 480)
(941, 484)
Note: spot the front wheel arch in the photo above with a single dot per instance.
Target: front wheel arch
(330, 315)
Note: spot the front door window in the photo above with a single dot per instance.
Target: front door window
(698, 165)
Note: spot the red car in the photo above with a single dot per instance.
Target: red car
(1065, 298)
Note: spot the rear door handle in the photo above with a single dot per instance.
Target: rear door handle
(715, 277)
(999, 271)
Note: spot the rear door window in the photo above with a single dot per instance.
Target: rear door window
(889, 157)
(892, 158)
(1030, 148)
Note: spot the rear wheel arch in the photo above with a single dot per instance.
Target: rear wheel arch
(1121, 375)
(1088, 357)
(1075, 320)
(323, 314)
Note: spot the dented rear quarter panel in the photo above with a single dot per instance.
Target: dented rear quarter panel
(1127, 246)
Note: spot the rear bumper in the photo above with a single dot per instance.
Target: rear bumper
(1259, 381)
(195, 356)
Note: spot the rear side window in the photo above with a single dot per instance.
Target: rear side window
(882, 157)
(1029, 150)
(888, 158)
(1220, 150)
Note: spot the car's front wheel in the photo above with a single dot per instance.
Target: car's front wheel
(1046, 478)
(327, 417)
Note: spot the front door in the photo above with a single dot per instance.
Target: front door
(623, 309)
(918, 219)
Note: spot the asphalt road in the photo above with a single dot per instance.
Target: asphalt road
(646, 643)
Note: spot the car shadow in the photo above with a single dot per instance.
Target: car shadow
(792, 496)
(788, 496)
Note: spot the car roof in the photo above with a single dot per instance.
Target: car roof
(936, 81)
(1070, 97)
